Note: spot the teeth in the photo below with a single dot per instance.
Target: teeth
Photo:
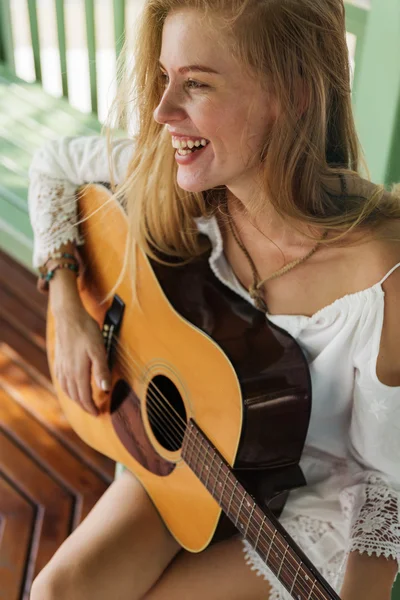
(178, 144)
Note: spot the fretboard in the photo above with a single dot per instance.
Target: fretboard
(259, 527)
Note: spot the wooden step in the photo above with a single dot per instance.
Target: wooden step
(49, 478)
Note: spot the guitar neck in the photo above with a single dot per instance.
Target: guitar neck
(259, 527)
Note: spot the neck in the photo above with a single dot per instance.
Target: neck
(284, 232)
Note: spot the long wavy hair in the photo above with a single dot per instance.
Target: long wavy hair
(298, 47)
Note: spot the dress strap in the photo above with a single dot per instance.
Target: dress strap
(390, 272)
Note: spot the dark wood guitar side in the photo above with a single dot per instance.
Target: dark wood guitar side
(210, 403)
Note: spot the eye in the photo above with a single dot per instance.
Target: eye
(164, 78)
(191, 83)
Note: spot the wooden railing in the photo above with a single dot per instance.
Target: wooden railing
(357, 19)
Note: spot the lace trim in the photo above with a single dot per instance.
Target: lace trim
(53, 211)
(317, 539)
(372, 510)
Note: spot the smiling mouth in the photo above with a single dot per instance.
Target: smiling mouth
(186, 151)
(188, 146)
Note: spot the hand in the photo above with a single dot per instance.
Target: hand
(80, 353)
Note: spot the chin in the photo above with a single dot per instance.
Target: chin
(193, 186)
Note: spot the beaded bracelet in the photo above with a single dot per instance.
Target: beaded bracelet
(45, 278)
(48, 269)
(50, 274)
(43, 269)
(57, 255)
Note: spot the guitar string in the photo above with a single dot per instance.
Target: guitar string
(178, 434)
(121, 350)
(233, 498)
(294, 576)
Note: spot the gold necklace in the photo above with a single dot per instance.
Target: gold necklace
(255, 290)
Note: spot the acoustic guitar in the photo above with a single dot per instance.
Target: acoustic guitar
(210, 402)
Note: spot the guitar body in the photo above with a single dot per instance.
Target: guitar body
(187, 339)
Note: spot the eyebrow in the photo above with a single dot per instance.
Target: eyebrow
(193, 68)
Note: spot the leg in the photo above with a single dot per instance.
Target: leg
(218, 573)
(117, 552)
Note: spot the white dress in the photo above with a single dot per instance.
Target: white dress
(351, 458)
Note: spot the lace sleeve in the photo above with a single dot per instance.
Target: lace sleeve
(58, 168)
(372, 510)
(372, 502)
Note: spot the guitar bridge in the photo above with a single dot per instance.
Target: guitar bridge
(111, 326)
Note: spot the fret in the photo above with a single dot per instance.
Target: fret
(249, 520)
(193, 461)
(186, 449)
(270, 546)
(203, 461)
(282, 561)
(312, 589)
(299, 580)
(240, 508)
(216, 478)
(223, 487)
(209, 470)
(260, 531)
(232, 495)
(295, 577)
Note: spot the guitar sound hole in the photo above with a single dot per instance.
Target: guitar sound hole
(166, 412)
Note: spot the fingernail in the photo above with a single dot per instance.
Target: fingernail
(105, 386)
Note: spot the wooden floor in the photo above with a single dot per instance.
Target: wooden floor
(49, 479)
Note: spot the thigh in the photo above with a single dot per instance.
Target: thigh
(217, 573)
(117, 552)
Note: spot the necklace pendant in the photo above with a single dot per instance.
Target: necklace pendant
(258, 298)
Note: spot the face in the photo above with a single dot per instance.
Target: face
(211, 106)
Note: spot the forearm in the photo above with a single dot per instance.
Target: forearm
(368, 577)
(63, 288)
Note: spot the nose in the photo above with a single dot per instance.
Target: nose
(169, 109)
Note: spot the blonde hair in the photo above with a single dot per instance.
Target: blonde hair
(299, 47)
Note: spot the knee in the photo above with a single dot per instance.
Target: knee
(49, 585)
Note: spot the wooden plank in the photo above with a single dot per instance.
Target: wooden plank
(24, 347)
(30, 99)
(36, 396)
(7, 38)
(393, 174)
(378, 89)
(18, 516)
(55, 506)
(13, 156)
(35, 38)
(62, 45)
(22, 284)
(119, 25)
(356, 22)
(53, 457)
(12, 214)
(16, 244)
(91, 47)
(22, 318)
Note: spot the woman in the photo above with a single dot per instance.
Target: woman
(246, 135)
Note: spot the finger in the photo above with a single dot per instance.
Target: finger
(85, 393)
(100, 370)
(72, 389)
(62, 383)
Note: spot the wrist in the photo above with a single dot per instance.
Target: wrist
(63, 291)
